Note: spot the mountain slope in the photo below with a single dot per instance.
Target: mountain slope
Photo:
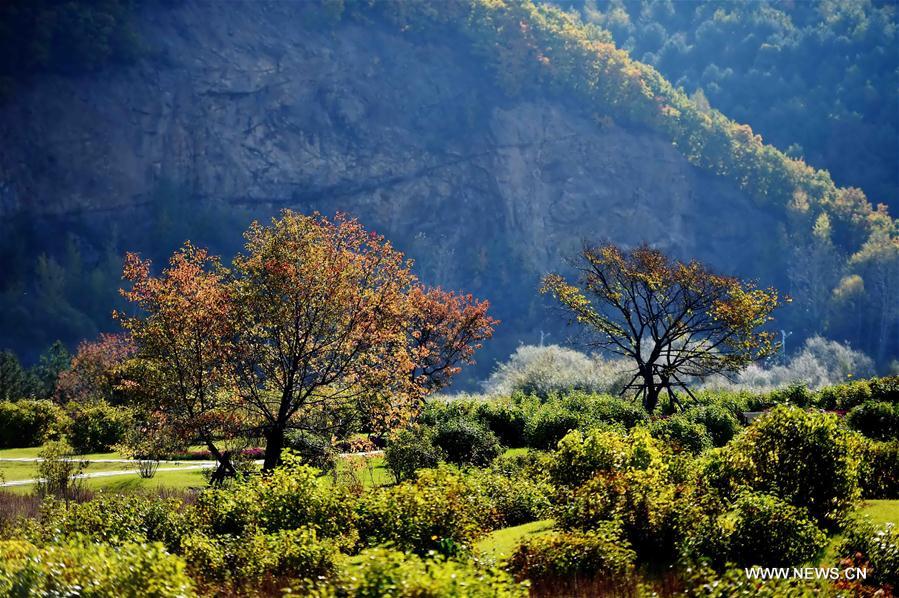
(240, 109)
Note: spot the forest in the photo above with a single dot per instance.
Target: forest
(241, 400)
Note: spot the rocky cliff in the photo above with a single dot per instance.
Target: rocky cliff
(244, 108)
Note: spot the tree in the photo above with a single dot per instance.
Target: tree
(55, 360)
(184, 348)
(15, 381)
(445, 330)
(332, 320)
(96, 373)
(673, 320)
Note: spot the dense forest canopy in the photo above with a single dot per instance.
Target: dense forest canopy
(819, 80)
(840, 254)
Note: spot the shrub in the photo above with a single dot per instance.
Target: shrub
(289, 497)
(719, 422)
(878, 420)
(601, 551)
(640, 499)
(97, 427)
(681, 434)
(466, 442)
(313, 449)
(885, 388)
(844, 396)
(580, 456)
(611, 410)
(433, 512)
(505, 419)
(410, 450)
(551, 369)
(879, 467)
(803, 457)
(874, 547)
(761, 529)
(28, 423)
(239, 559)
(115, 519)
(704, 582)
(549, 424)
(58, 471)
(379, 572)
(512, 498)
(84, 569)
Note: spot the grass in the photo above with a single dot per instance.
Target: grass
(12, 471)
(500, 544)
(32, 452)
(882, 511)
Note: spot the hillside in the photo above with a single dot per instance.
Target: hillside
(235, 111)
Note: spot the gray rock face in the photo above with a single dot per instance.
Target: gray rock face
(242, 106)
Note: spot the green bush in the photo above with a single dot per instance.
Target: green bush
(875, 547)
(601, 551)
(289, 497)
(703, 582)
(84, 569)
(580, 456)
(845, 396)
(878, 420)
(642, 500)
(28, 423)
(505, 419)
(804, 457)
(116, 519)
(380, 572)
(885, 389)
(761, 529)
(879, 466)
(549, 424)
(313, 449)
(611, 410)
(410, 450)
(433, 512)
(297, 553)
(96, 428)
(513, 499)
(681, 434)
(466, 442)
(719, 422)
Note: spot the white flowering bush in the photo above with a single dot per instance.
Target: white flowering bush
(544, 370)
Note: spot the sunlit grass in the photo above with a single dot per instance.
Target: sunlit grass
(501, 543)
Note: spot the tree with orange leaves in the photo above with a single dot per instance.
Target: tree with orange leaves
(183, 336)
(674, 320)
(332, 320)
(95, 374)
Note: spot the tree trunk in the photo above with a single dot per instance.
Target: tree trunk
(650, 392)
(225, 468)
(274, 444)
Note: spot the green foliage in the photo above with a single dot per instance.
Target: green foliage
(877, 420)
(15, 381)
(379, 572)
(719, 422)
(681, 434)
(83, 569)
(466, 442)
(57, 471)
(410, 450)
(879, 469)
(601, 551)
(28, 423)
(506, 419)
(549, 424)
(289, 497)
(803, 457)
(580, 456)
(874, 547)
(512, 498)
(760, 529)
(241, 559)
(433, 512)
(96, 428)
(314, 449)
(115, 519)
(642, 500)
